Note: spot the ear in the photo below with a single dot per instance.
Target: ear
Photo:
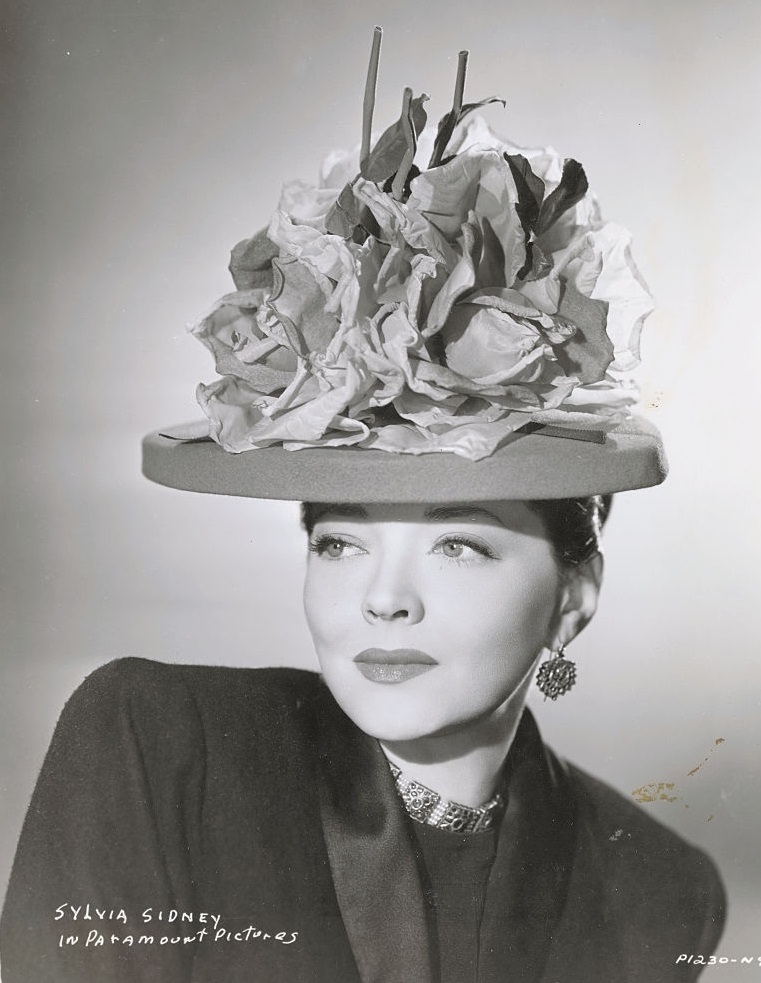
(578, 600)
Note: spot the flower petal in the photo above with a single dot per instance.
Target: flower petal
(241, 349)
(487, 345)
(250, 262)
(589, 351)
(479, 181)
(298, 302)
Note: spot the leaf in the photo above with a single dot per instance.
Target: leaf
(343, 214)
(536, 266)
(572, 188)
(470, 107)
(530, 190)
(350, 218)
(589, 352)
(384, 159)
(251, 260)
(448, 123)
(491, 265)
(413, 173)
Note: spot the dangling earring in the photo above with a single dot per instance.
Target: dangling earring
(557, 675)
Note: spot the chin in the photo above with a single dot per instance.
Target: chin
(394, 731)
(386, 713)
(399, 720)
(420, 708)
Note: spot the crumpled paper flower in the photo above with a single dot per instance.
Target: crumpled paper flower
(490, 295)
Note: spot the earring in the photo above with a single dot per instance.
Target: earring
(557, 675)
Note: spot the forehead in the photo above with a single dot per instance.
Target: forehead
(515, 515)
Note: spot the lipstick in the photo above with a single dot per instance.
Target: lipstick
(393, 665)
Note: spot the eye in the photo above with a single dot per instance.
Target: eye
(463, 548)
(453, 549)
(333, 547)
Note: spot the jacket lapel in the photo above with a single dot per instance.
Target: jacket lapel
(376, 875)
(528, 884)
(371, 854)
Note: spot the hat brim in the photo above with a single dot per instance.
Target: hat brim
(534, 465)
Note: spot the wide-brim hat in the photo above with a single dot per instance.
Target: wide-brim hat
(460, 332)
(536, 465)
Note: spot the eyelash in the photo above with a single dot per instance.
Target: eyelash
(320, 545)
(483, 549)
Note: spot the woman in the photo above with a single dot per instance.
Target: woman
(197, 823)
(396, 819)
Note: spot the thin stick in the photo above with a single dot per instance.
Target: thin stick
(450, 120)
(369, 101)
(397, 187)
(459, 86)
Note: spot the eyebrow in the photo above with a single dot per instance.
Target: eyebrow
(446, 513)
(339, 510)
(438, 513)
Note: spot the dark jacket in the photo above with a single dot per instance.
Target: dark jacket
(246, 795)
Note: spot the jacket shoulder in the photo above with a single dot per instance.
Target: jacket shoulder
(621, 828)
(653, 881)
(174, 712)
(159, 684)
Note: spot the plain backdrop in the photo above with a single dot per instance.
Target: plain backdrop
(143, 139)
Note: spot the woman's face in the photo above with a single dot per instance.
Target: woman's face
(427, 619)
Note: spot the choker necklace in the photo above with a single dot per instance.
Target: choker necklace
(426, 806)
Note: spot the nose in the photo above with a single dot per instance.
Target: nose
(392, 597)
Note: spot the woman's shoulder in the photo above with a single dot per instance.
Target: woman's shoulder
(648, 873)
(177, 697)
(622, 827)
(148, 680)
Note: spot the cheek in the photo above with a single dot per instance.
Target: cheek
(515, 614)
(326, 598)
(312, 606)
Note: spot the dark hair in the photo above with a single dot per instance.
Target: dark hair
(573, 525)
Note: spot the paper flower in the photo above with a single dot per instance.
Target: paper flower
(427, 310)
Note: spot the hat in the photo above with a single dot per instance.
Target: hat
(457, 332)
(534, 465)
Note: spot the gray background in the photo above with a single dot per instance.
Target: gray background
(143, 139)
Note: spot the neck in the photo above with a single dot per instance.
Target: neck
(463, 765)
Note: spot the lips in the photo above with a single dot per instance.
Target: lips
(393, 665)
